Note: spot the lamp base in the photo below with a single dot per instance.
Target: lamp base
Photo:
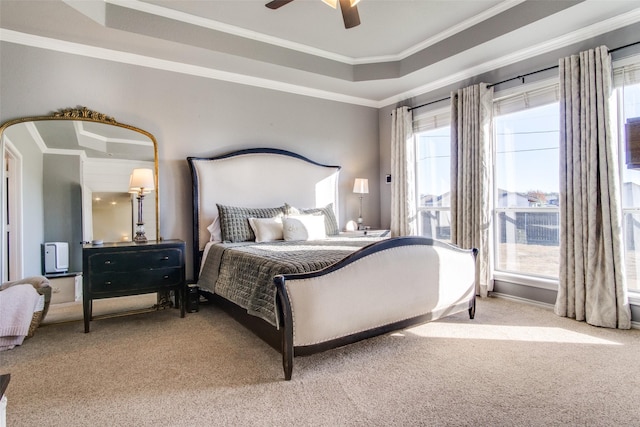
(140, 236)
(360, 223)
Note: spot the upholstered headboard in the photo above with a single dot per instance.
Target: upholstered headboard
(256, 178)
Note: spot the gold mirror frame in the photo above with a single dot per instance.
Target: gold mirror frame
(87, 115)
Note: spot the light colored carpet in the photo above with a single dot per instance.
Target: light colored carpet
(72, 311)
(514, 365)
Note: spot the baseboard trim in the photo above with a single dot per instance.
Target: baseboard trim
(523, 300)
(634, 325)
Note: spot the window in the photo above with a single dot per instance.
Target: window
(526, 194)
(526, 183)
(628, 94)
(433, 176)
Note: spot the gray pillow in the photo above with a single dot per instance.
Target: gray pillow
(234, 221)
(330, 222)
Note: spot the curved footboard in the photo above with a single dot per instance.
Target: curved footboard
(385, 286)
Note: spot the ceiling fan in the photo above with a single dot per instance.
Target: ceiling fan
(348, 7)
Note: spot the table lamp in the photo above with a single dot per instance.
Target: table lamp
(141, 183)
(361, 186)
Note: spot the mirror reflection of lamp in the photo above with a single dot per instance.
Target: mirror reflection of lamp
(361, 186)
(141, 183)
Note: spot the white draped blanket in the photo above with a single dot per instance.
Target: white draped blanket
(17, 305)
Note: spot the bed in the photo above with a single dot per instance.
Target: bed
(303, 286)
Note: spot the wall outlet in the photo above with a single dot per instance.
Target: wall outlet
(388, 179)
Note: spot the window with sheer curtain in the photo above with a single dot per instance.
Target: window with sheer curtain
(433, 174)
(526, 193)
(627, 84)
(526, 213)
(526, 179)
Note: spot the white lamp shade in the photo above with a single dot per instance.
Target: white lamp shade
(141, 180)
(361, 186)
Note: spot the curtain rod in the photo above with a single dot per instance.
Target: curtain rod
(520, 77)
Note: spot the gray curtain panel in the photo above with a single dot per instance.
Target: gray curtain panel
(471, 175)
(592, 283)
(403, 193)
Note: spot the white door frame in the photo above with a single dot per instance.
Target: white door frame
(12, 227)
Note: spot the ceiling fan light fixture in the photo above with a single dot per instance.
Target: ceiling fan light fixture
(349, 10)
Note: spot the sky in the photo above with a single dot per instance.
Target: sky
(526, 156)
(527, 150)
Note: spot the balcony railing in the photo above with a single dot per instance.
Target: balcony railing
(528, 241)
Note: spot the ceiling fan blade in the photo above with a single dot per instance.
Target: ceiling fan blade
(350, 14)
(275, 4)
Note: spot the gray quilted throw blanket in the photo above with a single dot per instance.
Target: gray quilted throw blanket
(243, 273)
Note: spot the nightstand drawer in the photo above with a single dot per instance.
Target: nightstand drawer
(135, 280)
(118, 261)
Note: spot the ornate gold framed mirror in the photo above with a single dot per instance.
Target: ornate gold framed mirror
(66, 178)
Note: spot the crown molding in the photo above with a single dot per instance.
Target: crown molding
(35, 135)
(176, 67)
(480, 17)
(226, 28)
(276, 41)
(593, 30)
(577, 36)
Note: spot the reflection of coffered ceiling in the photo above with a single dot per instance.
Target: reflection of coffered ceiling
(112, 141)
(402, 48)
(93, 140)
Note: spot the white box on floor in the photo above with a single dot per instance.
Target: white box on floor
(63, 289)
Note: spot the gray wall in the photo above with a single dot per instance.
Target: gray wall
(194, 116)
(63, 205)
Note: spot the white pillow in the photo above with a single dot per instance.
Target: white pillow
(214, 228)
(266, 229)
(304, 227)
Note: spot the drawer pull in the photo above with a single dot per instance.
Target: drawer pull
(166, 276)
(107, 283)
(165, 258)
(108, 261)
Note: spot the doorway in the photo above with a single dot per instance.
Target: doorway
(12, 263)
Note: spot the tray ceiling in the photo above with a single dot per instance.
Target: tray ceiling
(402, 48)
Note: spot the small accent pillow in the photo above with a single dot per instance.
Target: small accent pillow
(234, 221)
(267, 229)
(214, 228)
(303, 227)
(330, 222)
